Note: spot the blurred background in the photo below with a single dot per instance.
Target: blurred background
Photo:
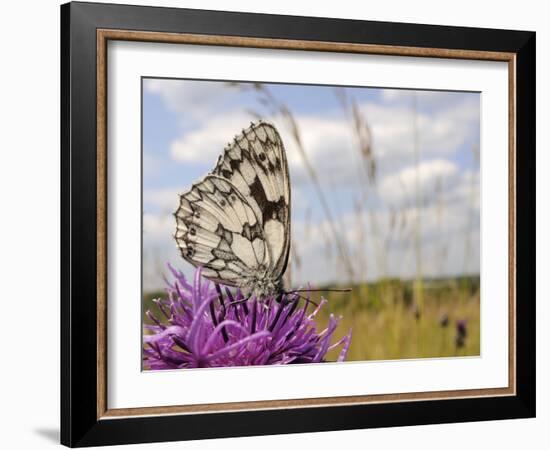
(385, 200)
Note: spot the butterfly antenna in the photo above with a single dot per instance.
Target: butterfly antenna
(319, 290)
(302, 297)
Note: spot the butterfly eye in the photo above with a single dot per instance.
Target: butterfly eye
(261, 156)
(197, 215)
(192, 231)
(190, 251)
(232, 199)
(222, 202)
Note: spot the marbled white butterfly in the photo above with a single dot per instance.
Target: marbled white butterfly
(235, 222)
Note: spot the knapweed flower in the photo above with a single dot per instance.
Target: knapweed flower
(461, 333)
(207, 325)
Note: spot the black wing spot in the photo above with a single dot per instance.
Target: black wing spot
(226, 173)
(235, 164)
(252, 232)
(270, 210)
(224, 234)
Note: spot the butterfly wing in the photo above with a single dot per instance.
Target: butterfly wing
(218, 230)
(255, 163)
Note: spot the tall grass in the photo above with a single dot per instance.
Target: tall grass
(387, 326)
(418, 282)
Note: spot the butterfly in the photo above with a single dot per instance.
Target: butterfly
(235, 222)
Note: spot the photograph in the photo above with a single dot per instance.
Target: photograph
(302, 224)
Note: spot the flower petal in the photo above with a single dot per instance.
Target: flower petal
(236, 345)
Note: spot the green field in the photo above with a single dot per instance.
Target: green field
(388, 324)
(395, 319)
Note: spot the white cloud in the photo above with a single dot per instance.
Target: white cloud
(330, 144)
(327, 142)
(205, 144)
(431, 175)
(157, 227)
(448, 226)
(440, 99)
(159, 249)
(449, 237)
(196, 99)
(391, 95)
(440, 133)
(166, 200)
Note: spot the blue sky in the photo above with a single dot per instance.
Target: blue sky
(432, 188)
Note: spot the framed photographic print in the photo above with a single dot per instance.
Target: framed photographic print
(277, 224)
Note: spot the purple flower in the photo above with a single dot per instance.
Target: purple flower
(461, 333)
(204, 326)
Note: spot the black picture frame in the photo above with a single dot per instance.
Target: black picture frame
(80, 425)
